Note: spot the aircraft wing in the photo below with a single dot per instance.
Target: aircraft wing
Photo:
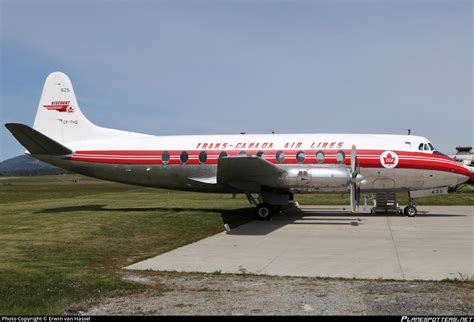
(248, 172)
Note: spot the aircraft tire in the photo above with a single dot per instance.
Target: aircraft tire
(410, 211)
(264, 211)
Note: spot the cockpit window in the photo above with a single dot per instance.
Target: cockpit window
(426, 147)
(429, 147)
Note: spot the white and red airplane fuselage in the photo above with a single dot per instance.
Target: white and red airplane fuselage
(272, 164)
(140, 161)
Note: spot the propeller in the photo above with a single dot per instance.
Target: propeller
(356, 180)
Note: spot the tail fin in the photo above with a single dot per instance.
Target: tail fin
(58, 116)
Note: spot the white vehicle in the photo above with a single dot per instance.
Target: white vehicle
(274, 166)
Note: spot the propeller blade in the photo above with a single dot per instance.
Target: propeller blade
(353, 161)
(353, 197)
(356, 180)
(358, 197)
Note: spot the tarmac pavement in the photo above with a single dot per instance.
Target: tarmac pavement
(327, 241)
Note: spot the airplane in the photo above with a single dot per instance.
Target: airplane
(271, 166)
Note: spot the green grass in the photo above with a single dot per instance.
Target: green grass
(65, 239)
(21, 189)
(64, 242)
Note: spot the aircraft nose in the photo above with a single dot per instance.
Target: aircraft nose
(467, 179)
(463, 179)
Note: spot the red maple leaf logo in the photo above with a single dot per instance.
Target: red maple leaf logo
(389, 159)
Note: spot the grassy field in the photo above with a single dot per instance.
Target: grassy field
(64, 239)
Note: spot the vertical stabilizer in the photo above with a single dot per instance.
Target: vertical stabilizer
(59, 116)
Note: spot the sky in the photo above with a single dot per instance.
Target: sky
(225, 67)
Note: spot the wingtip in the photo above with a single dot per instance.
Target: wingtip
(9, 126)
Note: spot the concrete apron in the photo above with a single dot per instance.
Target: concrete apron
(331, 242)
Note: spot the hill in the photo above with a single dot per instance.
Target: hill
(25, 165)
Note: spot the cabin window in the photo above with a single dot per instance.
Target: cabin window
(280, 156)
(431, 146)
(300, 156)
(203, 157)
(320, 157)
(261, 154)
(165, 157)
(420, 147)
(184, 157)
(223, 154)
(340, 156)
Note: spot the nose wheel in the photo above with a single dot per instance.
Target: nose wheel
(410, 211)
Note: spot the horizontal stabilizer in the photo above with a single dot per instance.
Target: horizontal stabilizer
(35, 142)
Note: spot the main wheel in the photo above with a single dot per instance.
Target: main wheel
(264, 211)
(410, 211)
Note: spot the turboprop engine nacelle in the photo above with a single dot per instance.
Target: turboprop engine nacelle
(327, 177)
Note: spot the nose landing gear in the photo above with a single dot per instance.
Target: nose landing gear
(387, 202)
(410, 211)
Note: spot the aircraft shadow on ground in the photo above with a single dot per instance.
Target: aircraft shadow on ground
(236, 217)
(244, 212)
(233, 217)
(322, 216)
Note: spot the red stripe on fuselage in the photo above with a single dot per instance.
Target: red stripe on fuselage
(367, 158)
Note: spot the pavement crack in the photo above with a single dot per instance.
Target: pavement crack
(395, 247)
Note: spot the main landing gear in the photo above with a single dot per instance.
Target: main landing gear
(267, 205)
(265, 211)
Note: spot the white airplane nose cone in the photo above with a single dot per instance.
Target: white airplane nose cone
(462, 179)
